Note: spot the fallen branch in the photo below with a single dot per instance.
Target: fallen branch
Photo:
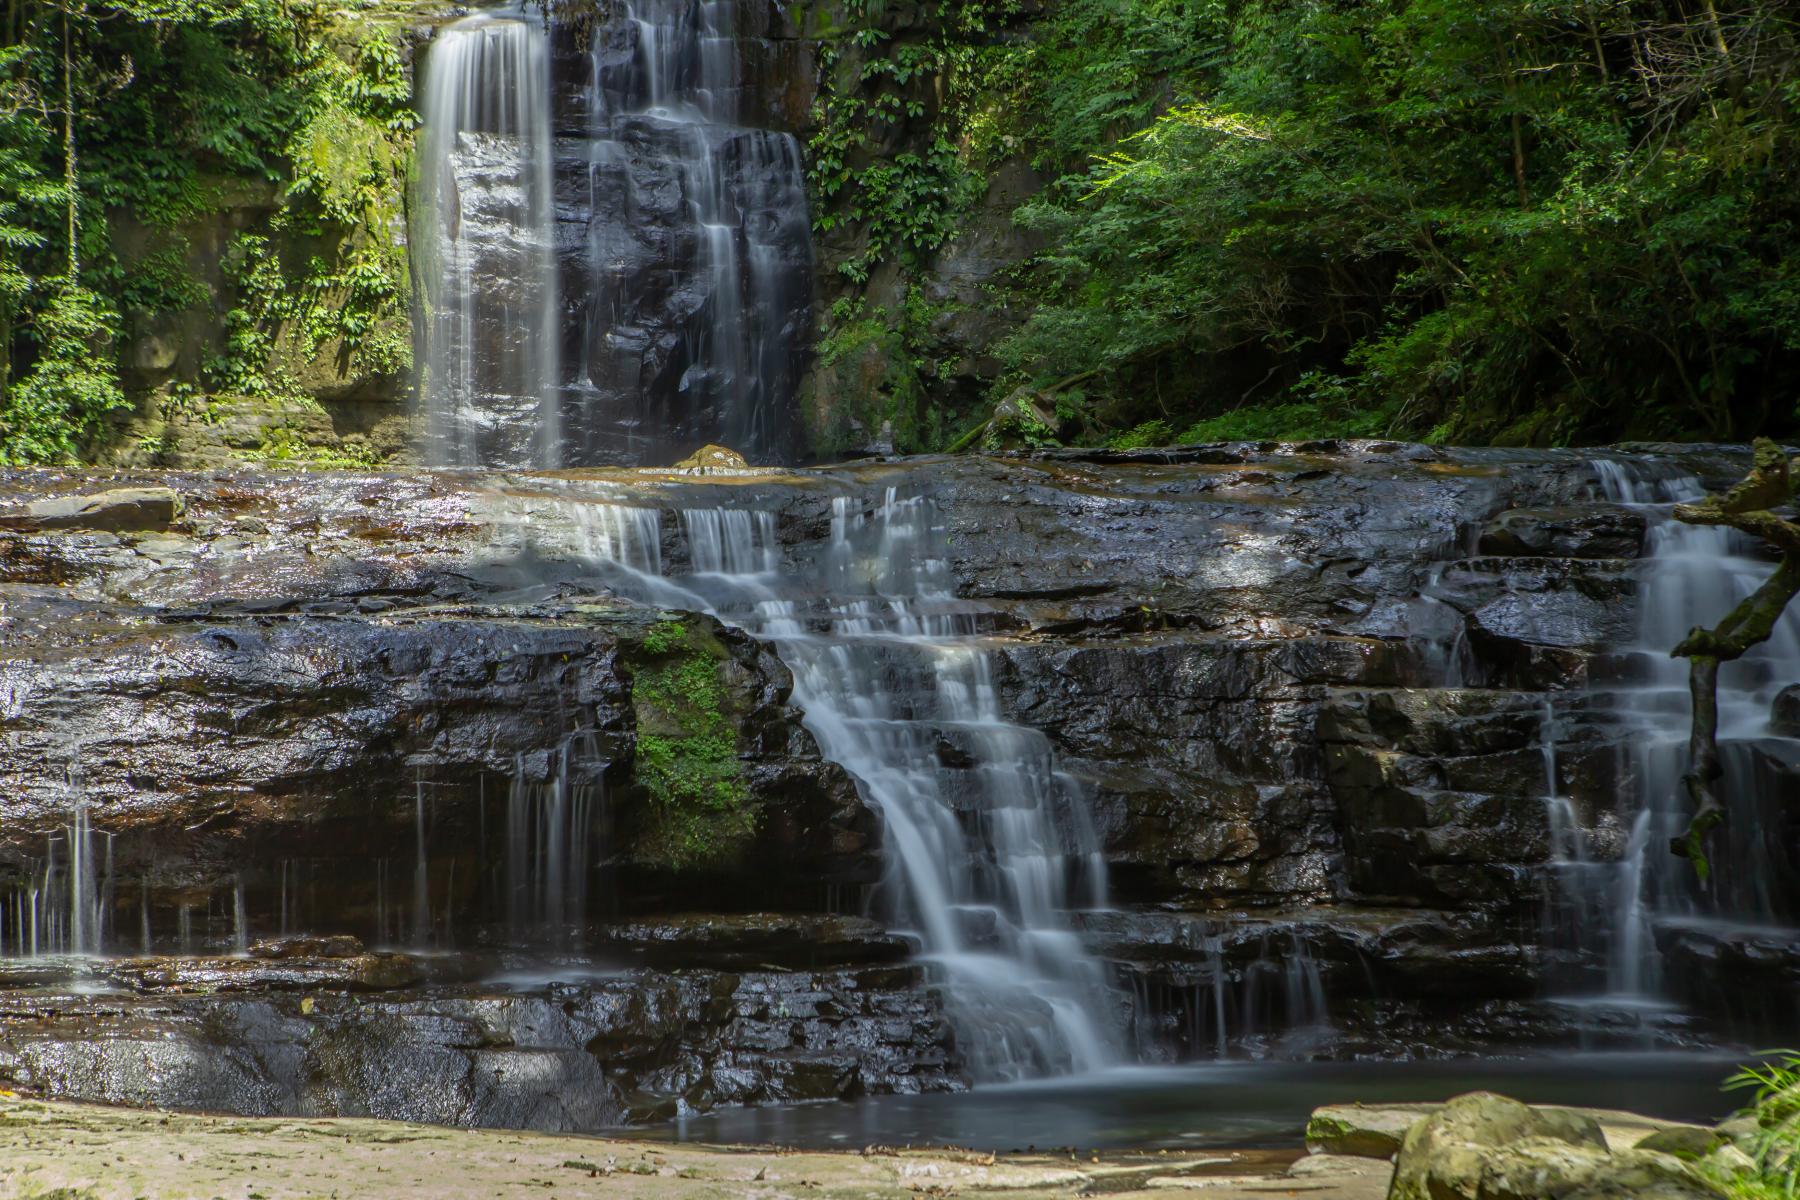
(1772, 483)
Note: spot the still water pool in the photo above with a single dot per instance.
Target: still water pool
(1219, 1104)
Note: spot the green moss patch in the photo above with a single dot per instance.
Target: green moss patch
(698, 810)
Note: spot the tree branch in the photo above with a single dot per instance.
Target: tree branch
(1772, 483)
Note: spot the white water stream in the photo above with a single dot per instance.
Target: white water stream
(990, 846)
(485, 241)
(1692, 575)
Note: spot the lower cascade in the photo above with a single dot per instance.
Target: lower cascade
(579, 799)
(1630, 900)
(990, 847)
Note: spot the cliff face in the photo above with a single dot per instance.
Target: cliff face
(284, 338)
(1335, 708)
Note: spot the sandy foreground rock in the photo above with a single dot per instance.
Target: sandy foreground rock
(84, 1152)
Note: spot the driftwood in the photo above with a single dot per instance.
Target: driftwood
(1773, 482)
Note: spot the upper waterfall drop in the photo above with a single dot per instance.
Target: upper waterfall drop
(484, 241)
(691, 287)
(611, 239)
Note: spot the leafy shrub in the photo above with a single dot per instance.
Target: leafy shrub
(1774, 1087)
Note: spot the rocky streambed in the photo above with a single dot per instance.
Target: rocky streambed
(1478, 1146)
(366, 794)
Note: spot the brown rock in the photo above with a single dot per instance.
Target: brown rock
(713, 458)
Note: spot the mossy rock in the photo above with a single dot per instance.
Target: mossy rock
(697, 803)
(1363, 1131)
(713, 458)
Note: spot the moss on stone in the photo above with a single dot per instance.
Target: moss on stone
(698, 808)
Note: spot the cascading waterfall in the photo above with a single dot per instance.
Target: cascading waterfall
(549, 846)
(696, 290)
(60, 909)
(1691, 575)
(485, 246)
(990, 845)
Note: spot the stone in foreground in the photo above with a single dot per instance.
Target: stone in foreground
(1487, 1147)
(1361, 1130)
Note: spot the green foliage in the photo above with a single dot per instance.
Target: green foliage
(53, 410)
(877, 93)
(687, 762)
(354, 298)
(1535, 221)
(180, 109)
(665, 637)
(1774, 1086)
(876, 368)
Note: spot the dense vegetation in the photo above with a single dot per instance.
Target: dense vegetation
(1525, 221)
(1774, 1088)
(128, 130)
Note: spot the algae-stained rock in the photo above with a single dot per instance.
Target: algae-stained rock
(713, 458)
(1444, 1156)
(366, 972)
(1363, 1131)
(743, 939)
(1548, 1168)
(1684, 1141)
(118, 510)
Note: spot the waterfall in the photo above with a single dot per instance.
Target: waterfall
(549, 840)
(61, 906)
(990, 846)
(485, 246)
(1690, 575)
(695, 297)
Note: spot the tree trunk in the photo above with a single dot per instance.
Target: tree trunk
(1748, 507)
(69, 173)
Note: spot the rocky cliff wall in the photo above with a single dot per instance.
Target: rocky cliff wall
(1308, 689)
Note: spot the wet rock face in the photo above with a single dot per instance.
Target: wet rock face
(265, 710)
(1306, 690)
(1784, 721)
(1591, 531)
(573, 1057)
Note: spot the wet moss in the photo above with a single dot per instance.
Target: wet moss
(698, 810)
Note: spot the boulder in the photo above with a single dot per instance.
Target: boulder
(1784, 719)
(1684, 1141)
(1444, 1156)
(1363, 1131)
(1591, 531)
(713, 458)
(1544, 1168)
(119, 510)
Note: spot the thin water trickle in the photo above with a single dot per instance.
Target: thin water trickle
(549, 844)
(421, 871)
(60, 906)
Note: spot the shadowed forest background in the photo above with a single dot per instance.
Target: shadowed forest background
(1533, 222)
